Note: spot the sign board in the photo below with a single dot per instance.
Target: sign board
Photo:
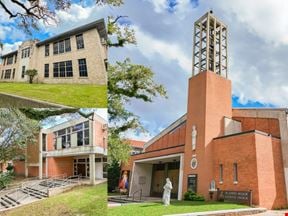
(244, 197)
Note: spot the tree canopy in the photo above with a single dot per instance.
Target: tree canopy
(16, 131)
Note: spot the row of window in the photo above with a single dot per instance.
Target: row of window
(235, 172)
(82, 131)
(65, 69)
(64, 45)
(9, 60)
(25, 53)
(7, 74)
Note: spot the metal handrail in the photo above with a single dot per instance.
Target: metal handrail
(133, 195)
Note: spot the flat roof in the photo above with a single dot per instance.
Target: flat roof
(10, 53)
(98, 24)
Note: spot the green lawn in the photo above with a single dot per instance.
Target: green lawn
(74, 95)
(157, 208)
(82, 201)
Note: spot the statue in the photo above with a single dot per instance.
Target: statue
(194, 136)
(167, 192)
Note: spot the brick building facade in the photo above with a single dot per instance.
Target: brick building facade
(76, 56)
(237, 149)
(77, 147)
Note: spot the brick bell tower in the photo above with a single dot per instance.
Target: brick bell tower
(209, 100)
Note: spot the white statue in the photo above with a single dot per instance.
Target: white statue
(167, 192)
(194, 136)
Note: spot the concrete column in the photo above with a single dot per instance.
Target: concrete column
(46, 168)
(92, 169)
(40, 156)
(180, 177)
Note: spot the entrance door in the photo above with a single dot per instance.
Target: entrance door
(158, 180)
(160, 173)
(192, 183)
(81, 169)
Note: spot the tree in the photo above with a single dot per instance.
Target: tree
(31, 73)
(16, 131)
(27, 15)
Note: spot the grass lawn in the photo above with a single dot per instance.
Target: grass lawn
(157, 208)
(74, 95)
(82, 201)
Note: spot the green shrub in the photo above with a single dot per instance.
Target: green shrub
(10, 167)
(6, 178)
(191, 196)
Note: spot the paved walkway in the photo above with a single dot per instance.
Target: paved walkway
(272, 213)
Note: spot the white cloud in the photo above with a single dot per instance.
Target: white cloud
(134, 135)
(268, 19)
(181, 9)
(8, 47)
(76, 15)
(153, 48)
(159, 5)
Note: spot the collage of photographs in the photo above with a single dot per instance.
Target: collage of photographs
(143, 107)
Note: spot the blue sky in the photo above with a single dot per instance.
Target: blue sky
(258, 47)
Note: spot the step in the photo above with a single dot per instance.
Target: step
(35, 192)
(4, 205)
(38, 191)
(12, 199)
(9, 202)
(32, 194)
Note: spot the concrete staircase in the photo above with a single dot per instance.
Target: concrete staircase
(7, 201)
(34, 192)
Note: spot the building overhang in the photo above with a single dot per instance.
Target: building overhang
(98, 24)
(77, 151)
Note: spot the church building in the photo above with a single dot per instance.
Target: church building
(213, 147)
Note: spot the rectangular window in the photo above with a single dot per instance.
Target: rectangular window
(10, 60)
(69, 69)
(235, 172)
(23, 72)
(15, 60)
(13, 74)
(80, 138)
(80, 41)
(25, 53)
(82, 68)
(47, 50)
(46, 70)
(221, 173)
(56, 69)
(7, 74)
(63, 69)
(67, 45)
(4, 61)
(61, 46)
(55, 48)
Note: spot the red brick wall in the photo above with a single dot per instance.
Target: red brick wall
(174, 138)
(59, 166)
(209, 100)
(19, 167)
(260, 167)
(268, 125)
(50, 142)
(33, 171)
(241, 150)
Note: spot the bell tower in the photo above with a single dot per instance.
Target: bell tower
(210, 45)
(209, 100)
